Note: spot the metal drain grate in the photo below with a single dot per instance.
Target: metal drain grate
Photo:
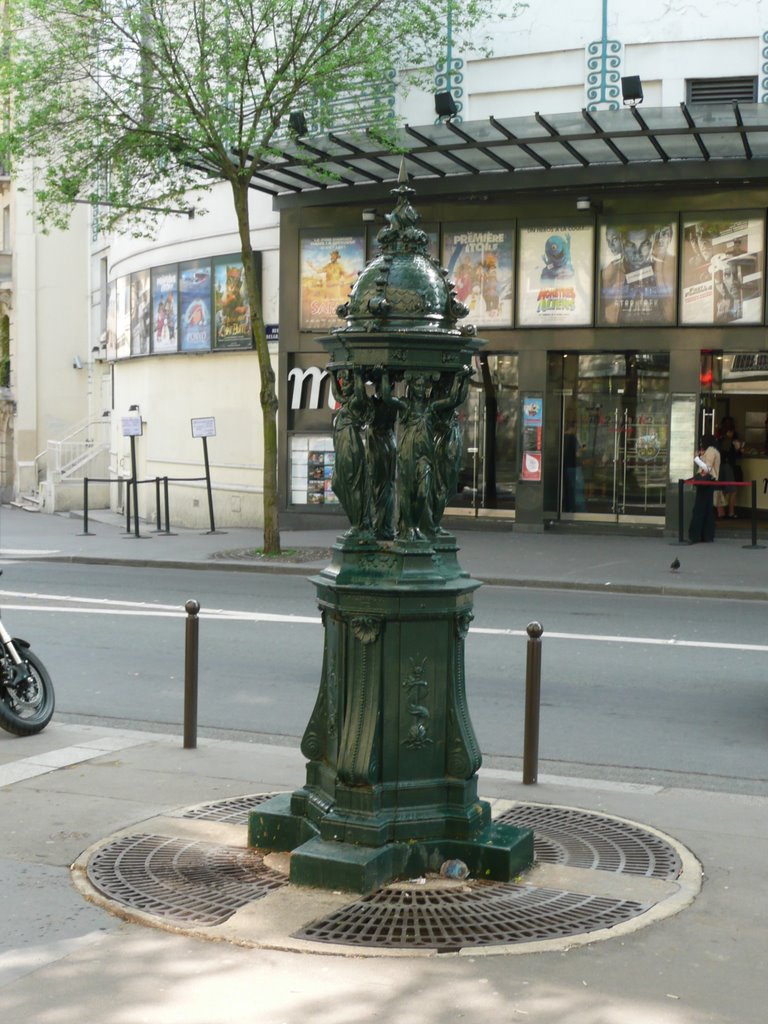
(234, 811)
(585, 840)
(179, 880)
(479, 914)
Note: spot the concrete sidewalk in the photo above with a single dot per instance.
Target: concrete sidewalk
(64, 960)
(731, 567)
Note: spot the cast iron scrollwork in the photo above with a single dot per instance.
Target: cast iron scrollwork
(418, 685)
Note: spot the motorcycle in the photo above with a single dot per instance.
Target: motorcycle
(26, 691)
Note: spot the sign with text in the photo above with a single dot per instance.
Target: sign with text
(131, 426)
(204, 426)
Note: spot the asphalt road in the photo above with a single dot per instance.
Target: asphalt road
(634, 687)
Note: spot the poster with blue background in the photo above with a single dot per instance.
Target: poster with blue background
(195, 305)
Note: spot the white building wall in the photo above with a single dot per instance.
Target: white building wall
(171, 389)
(49, 334)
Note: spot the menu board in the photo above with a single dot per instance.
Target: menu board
(682, 432)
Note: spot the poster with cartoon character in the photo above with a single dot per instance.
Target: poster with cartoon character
(479, 262)
(232, 316)
(555, 280)
(195, 280)
(165, 306)
(722, 269)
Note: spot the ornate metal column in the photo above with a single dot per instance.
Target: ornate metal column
(391, 784)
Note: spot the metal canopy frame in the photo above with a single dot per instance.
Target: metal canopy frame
(701, 141)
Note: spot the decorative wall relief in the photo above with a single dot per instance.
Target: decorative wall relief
(417, 685)
(604, 59)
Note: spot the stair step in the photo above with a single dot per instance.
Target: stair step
(27, 503)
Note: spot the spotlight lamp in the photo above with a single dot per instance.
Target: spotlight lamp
(297, 122)
(631, 90)
(445, 105)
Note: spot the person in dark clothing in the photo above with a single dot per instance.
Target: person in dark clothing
(729, 446)
(702, 526)
(573, 478)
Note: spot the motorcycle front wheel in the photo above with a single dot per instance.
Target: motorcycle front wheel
(26, 708)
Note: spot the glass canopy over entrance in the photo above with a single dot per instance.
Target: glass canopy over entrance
(581, 143)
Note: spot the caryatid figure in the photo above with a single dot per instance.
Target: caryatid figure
(415, 456)
(350, 480)
(448, 441)
(382, 463)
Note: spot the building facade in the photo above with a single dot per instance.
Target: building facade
(611, 257)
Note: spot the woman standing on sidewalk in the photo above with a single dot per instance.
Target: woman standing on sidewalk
(702, 528)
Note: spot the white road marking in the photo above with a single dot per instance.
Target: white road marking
(108, 606)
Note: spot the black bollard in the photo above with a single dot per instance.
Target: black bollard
(532, 704)
(167, 505)
(158, 513)
(190, 675)
(85, 505)
(754, 543)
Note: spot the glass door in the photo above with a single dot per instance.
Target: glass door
(615, 436)
(488, 476)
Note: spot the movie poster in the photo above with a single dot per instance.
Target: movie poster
(232, 317)
(555, 281)
(122, 317)
(638, 271)
(330, 265)
(195, 283)
(479, 262)
(165, 306)
(722, 270)
(533, 422)
(141, 310)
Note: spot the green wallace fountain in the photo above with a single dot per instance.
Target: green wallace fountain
(391, 783)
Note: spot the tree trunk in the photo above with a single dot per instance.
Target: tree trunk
(267, 392)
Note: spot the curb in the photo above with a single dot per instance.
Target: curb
(308, 568)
